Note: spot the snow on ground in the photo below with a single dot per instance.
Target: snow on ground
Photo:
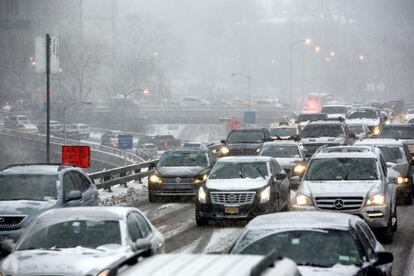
(124, 196)
(222, 238)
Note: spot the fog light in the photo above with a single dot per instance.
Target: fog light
(375, 214)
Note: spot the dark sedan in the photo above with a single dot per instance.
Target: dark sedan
(179, 173)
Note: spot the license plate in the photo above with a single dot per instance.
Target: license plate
(231, 210)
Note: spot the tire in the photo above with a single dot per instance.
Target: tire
(387, 232)
(153, 198)
(395, 226)
(408, 200)
(200, 221)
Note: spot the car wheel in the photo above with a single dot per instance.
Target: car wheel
(387, 233)
(200, 220)
(152, 198)
(409, 200)
(395, 226)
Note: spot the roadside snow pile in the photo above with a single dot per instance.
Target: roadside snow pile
(124, 196)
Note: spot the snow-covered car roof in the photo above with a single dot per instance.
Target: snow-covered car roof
(303, 219)
(115, 213)
(210, 264)
(339, 154)
(242, 159)
(280, 143)
(326, 122)
(32, 169)
(377, 142)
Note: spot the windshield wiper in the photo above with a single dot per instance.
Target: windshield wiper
(260, 173)
(41, 248)
(313, 264)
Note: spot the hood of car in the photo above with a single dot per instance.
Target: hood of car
(342, 188)
(395, 170)
(338, 270)
(68, 261)
(364, 121)
(287, 162)
(238, 184)
(318, 140)
(180, 171)
(28, 208)
(244, 146)
(335, 115)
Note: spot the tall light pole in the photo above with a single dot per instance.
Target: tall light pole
(306, 41)
(249, 78)
(66, 108)
(126, 94)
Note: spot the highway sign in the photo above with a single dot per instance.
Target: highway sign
(125, 141)
(76, 155)
(249, 117)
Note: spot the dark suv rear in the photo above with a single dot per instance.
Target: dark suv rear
(246, 141)
(28, 190)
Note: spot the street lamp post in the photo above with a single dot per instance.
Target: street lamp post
(66, 108)
(291, 48)
(249, 78)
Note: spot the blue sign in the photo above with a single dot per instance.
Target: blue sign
(125, 141)
(249, 117)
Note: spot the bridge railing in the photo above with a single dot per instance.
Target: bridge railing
(122, 175)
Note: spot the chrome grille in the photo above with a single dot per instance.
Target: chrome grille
(10, 221)
(339, 203)
(232, 198)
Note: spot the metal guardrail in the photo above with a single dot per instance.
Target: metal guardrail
(122, 175)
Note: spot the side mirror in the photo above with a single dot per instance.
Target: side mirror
(384, 258)
(223, 141)
(141, 245)
(281, 176)
(7, 247)
(74, 195)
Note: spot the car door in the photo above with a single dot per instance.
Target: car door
(281, 186)
(68, 186)
(89, 192)
(148, 234)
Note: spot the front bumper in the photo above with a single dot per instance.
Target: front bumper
(374, 216)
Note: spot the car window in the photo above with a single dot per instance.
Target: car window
(86, 181)
(133, 228)
(68, 185)
(365, 242)
(368, 233)
(143, 225)
(78, 181)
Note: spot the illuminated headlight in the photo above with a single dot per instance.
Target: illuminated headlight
(376, 200)
(303, 200)
(402, 180)
(265, 195)
(301, 147)
(224, 150)
(407, 116)
(376, 130)
(258, 150)
(202, 195)
(155, 179)
(200, 179)
(299, 169)
(105, 272)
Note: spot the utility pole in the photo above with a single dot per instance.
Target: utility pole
(47, 98)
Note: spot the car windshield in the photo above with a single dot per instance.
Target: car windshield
(393, 154)
(283, 131)
(24, 121)
(183, 159)
(68, 233)
(363, 114)
(230, 170)
(356, 129)
(311, 117)
(334, 109)
(281, 151)
(28, 186)
(334, 169)
(83, 127)
(332, 246)
(246, 137)
(397, 132)
(314, 131)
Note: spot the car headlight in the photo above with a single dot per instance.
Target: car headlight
(200, 179)
(224, 150)
(376, 130)
(258, 150)
(202, 195)
(265, 195)
(407, 116)
(402, 180)
(299, 169)
(105, 272)
(303, 200)
(154, 178)
(376, 200)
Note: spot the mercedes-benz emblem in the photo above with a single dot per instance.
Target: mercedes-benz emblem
(339, 204)
(232, 197)
(178, 180)
(1, 219)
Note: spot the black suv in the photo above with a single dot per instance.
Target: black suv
(320, 133)
(27, 190)
(401, 132)
(247, 141)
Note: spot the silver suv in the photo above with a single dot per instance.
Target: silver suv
(350, 179)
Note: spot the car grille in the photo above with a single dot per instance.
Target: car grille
(178, 180)
(10, 221)
(312, 148)
(232, 198)
(339, 203)
(243, 152)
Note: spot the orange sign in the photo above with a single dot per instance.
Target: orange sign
(234, 123)
(76, 155)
